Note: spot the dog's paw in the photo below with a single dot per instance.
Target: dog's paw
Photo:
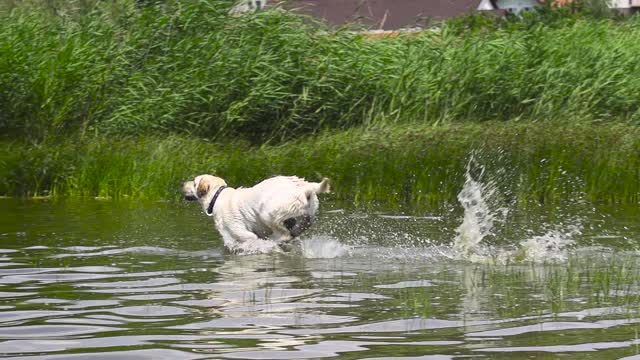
(286, 246)
(289, 245)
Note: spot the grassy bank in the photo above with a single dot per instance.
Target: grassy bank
(416, 165)
(114, 69)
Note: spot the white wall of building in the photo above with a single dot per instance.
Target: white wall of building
(517, 6)
(485, 5)
(245, 6)
(620, 4)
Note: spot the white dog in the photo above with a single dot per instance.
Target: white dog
(277, 209)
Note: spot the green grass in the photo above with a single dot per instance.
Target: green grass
(113, 69)
(416, 165)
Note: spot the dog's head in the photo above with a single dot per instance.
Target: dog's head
(199, 187)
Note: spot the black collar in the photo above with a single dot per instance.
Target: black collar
(213, 201)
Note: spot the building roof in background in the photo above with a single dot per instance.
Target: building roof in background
(386, 14)
(408, 14)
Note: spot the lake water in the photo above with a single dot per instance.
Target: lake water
(98, 279)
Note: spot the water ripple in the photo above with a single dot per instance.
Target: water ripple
(159, 288)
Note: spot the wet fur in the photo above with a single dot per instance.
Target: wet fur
(278, 209)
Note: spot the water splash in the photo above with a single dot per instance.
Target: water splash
(479, 220)
(323, 247)
(314, 247)
(254, 247)
(553, 246)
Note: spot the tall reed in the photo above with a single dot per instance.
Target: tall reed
(189, 68)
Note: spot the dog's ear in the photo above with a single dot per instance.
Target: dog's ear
(202, 188)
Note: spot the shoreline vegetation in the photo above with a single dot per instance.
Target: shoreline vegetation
(115, 100)
(414, 165)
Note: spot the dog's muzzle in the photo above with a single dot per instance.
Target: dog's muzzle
(189, 191)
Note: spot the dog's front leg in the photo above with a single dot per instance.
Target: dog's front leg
(236, 235)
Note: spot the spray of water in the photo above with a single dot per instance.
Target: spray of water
(479, 220)
(550, 247)
(323, 247)
(254, 247)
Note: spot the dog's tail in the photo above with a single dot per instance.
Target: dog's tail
(322, 187)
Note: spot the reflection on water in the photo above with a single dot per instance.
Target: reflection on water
(98, 280)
